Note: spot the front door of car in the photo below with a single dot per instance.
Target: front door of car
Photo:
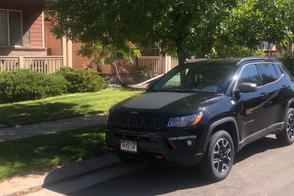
(250, 106)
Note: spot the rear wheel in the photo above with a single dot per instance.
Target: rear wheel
(286, 137)
(219, 158)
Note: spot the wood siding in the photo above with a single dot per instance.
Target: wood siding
(53, 45)
(36, 32)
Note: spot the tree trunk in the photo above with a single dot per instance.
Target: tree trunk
(182, 60)
(117, 72)
(180, 53)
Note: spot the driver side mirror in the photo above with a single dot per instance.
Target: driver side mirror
(247, 87)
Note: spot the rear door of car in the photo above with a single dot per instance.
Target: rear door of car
(251, 117)
(272, 89)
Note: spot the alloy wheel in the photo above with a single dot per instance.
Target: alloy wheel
(222, 155)
(290, 126)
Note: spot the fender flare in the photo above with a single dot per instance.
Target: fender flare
(220, 122)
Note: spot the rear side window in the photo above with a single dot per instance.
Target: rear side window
(278, 69)
(268, 73)
(250, 74)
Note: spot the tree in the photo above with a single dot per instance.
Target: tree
(182, 27)
(107, 54)
(253, 22)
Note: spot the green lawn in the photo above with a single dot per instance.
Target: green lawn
(41, 153)
(13, 114)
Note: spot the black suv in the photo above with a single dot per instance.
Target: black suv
(204, 112)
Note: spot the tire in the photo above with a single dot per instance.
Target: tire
(286, 137)
(219, 157)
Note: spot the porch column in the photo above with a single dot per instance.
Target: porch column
(67, 52)
(167, 64)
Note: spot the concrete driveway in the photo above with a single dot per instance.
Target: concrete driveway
(262, 168)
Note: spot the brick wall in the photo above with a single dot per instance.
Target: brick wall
(77, 60)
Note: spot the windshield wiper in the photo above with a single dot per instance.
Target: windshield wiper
(181, 90)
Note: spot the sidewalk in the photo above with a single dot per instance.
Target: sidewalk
(34, 182)
(14, 133)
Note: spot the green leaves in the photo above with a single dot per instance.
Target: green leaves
(250, 24)
(182, 27)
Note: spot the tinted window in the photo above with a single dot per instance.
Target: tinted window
(250, 74)
(278, 69)
(208, 78)
(268, 73)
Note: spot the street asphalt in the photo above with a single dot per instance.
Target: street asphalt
(262, 168)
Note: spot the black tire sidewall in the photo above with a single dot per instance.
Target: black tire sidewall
(284, 135)
(213, 174)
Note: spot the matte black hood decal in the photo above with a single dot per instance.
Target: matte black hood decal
(155, 100)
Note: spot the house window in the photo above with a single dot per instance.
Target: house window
(10, 28)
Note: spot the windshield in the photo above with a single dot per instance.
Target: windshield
(207, 78)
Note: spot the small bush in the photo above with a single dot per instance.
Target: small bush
(288, 60)
(82, 80)
(22, 85)
(140, 74)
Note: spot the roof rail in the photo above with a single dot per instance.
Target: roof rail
(255, 58)
(195, 60)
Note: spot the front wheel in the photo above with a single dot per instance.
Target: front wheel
(219, 158)
(286, 137)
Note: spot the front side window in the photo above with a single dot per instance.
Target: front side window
(250, 74)
(193, 78)
(10, 28)
(268, 73)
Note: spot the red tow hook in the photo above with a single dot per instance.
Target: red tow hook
(159, 156)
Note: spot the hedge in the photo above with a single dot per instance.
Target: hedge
(20, 85)
(82, 80)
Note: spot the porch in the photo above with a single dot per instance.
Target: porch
(45, 65)
(157, 64)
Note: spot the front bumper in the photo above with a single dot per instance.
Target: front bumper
(158, 146)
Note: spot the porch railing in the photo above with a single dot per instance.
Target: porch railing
(9, 63)
(158, 64)
(46, 64)
(155, 63)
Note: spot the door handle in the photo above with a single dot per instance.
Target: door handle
(263, 95)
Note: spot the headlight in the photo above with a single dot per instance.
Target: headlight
(185, 121)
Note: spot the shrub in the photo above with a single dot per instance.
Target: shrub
(288, 60)
(140, 74)
(22, 85)
(82, 80)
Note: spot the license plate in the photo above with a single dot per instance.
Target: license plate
(128, 145)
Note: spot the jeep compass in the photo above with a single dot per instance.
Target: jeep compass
(204, 112)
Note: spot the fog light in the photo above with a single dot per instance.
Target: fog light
(189, 142)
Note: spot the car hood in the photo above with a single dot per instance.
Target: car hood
(169, 103)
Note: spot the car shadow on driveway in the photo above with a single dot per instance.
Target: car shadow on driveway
(162, 179)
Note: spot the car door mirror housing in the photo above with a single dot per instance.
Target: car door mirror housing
(247, 87)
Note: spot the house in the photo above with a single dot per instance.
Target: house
(26, 42)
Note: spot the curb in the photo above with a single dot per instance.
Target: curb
(33, 183)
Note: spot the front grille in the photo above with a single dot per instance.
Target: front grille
(136, 122)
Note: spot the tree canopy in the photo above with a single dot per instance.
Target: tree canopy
(181, 27)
